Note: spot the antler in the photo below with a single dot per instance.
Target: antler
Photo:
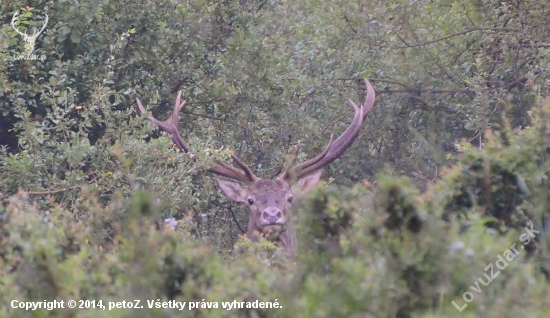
(25, 36)
(243, 173)
(335, 149)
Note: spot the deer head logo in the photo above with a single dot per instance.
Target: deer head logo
(30, 40)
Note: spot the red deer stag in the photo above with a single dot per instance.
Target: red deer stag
(269, 201)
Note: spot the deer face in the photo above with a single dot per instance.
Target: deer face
(269, 202)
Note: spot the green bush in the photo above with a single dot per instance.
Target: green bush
(382, 250)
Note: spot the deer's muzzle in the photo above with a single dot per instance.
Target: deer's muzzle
(272, 215)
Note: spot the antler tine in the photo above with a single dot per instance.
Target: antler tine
(290, 166)
(369, 99)
(297, 149)
(45, 23)
(13, 25)
(341, 144)
(296, 170)
(170, 126)
(251, 177)
(225, 170)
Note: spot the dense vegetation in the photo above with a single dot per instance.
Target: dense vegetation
(449, 173)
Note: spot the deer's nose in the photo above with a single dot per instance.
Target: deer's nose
(272, 214)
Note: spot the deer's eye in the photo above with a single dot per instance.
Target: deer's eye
(290, 199)
(250, 201)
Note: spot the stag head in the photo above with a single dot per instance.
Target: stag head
(269, 201)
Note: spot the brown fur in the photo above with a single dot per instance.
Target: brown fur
(270, 202)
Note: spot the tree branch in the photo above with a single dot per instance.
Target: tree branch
(48, 192)
(431, 90)
(235, 219)
(457, 34)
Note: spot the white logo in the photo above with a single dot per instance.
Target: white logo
(30, 40)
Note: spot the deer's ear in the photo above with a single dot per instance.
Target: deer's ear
(232, 190)
(307, 183)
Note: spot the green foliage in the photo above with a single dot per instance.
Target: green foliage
(397, 198)
(140, 261)
(508, 180)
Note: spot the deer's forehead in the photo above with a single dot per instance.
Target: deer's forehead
(269, 186)
(266, 197)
